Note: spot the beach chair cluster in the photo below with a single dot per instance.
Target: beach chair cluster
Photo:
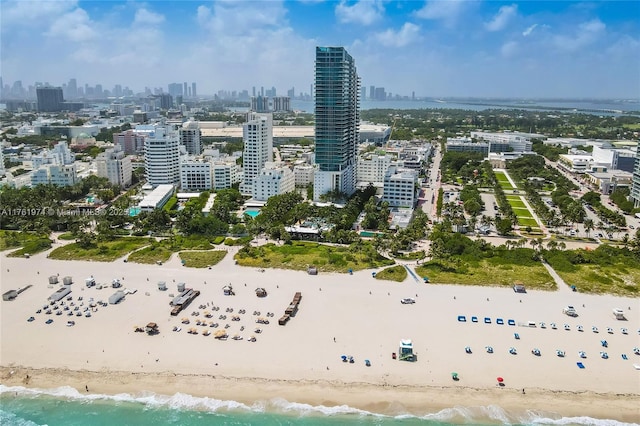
(487, 320)
(291, 310)
(70, 308)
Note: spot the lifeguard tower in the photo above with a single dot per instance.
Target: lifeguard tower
(405, 351)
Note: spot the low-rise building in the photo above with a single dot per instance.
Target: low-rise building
(607, 182)
(303, 174)
(226, 174)
(372, 167)
(400, 187)
(274, 179)
(157, 198)
(195, 174)
(59, 175)
(460, 145)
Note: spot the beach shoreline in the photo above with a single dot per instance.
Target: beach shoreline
(388, 400)
(339, 315)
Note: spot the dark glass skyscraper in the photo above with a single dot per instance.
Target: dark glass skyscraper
(50, 99)
(337, 114)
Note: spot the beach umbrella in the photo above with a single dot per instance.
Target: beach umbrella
(500, 379)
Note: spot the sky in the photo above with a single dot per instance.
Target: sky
(435, 48)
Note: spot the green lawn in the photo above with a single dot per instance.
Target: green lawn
(395, 273)
(106, 251)
(527, 221)
(488, 272)
(299, 255)
(517, 203)
(162, 250)
(503, 181)
(202, 259)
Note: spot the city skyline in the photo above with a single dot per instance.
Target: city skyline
(432, 48)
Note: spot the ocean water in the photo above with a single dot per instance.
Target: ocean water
(66, 406)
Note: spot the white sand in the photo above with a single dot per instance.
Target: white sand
(364, 316)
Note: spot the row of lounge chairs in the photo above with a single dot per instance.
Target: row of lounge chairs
(487, 320)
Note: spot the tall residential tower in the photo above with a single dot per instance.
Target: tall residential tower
(337, 113)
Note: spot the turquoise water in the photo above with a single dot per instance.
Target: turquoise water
(369, 234)
(134, 211)
(252, 213)
(67, 407)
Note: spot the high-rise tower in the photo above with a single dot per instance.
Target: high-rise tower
(257, 136)
(635, 187)
(337, 110)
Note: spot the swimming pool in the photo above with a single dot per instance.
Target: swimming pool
(369, 234)
(252, 213)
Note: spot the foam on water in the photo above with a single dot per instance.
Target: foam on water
(491, 414)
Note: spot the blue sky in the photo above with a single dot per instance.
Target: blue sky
(434, 47)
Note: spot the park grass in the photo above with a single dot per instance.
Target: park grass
(202, 259)
(517, 203)
(395, 273)
(300, 255)
(104, 251)
(488, 272)
(503, 181)
(67, 236)
(527, 221)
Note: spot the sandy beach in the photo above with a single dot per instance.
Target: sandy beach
(340, 314)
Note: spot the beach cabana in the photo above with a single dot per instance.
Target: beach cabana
(406, 351)
(152, 328)
(261, 292)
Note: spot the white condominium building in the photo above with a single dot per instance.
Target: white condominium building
(114, 165)
(191, 137)
(517, 141)
(226, 174)
(195, 174)
(257, 135)
(274, 179)
(303, 174)
(162, 157)
(60, 175)
(372, 168)
(400, 187)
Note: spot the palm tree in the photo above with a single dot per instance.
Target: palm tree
(588, 226)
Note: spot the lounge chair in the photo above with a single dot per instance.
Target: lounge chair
(513, 351)
(554, 326)
(543, 325)
(489, 349)
(594, 329)
(474, 319)
(535, 351)
(624, 356)
(604, 355)
(609, 330)
(467, 349)
(462, 318)
(516, 336)
(604, 343)
(579, 328)
(500, 321)
(582, 354)
(580, 365)
(624, 331)
(560, 353)
(367, 363)
(511, 322)
(487, 320)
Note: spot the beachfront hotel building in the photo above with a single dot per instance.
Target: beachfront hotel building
(337, 116)
(195, 174)
(162, 157)
(226, 174)
(372, 167)
(635, 187)
(257, 135)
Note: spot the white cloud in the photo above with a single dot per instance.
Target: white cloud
(409, 33)
(364, 12)
(586, 34)
(529, 30)
(446, 11)
(22, 12)
(75, 26)
(234, 18)
(146, 17)
(502, 18)
(509, 49)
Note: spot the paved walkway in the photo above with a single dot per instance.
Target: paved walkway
(562, 286)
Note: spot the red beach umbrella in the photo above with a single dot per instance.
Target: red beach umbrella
(500, 379)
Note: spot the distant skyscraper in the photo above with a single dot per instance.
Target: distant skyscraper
(380, 94)
(50, 99)
(72, 89)
(363, 93)
(372, 92)
(635, 188)
(337, 118)
(193, 90)
(185, 89)
(175, 89)
(257, 134)
(166, 101)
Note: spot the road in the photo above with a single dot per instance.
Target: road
(429, 193)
